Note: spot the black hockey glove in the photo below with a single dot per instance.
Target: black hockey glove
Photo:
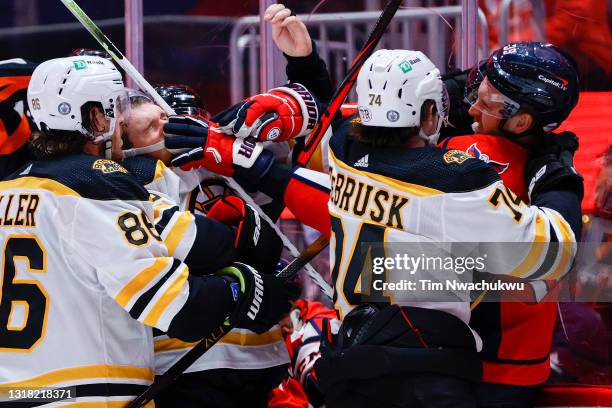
(261, 300)
(257, 243)
(198, 143)
(552, 167)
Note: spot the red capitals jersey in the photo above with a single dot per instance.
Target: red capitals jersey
(516, 336)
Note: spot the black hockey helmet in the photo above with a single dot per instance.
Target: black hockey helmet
(183, 99)
(90, 52)
(535, 77)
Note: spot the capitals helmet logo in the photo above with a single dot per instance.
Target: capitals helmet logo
(474, 151)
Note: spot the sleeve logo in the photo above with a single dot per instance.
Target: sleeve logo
(456, 156)
(108, 166)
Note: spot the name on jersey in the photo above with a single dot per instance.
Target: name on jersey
(18, 210)
(365, 200)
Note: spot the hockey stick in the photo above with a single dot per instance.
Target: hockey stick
(130, 70)
(206, 343)
(339, 96)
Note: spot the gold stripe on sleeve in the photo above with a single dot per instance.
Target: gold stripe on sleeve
(175, 235)
(83, 373)
(536, 249)
(168, 296)
(566, 247)
(141, 280)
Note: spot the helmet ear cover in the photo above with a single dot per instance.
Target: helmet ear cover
(382, 136)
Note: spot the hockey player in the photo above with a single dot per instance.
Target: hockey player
(252, 362)
(514, 111)
(183, 100)
(515, 360)
(386, 183)
(77, 235)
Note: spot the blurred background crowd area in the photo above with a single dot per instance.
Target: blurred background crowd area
(210, 44)
(213, 46)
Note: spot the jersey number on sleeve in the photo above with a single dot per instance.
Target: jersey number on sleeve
(360, 251)
(28, 295)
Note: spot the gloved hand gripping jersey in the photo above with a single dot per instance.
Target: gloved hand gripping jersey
(198, 143)
(552, 167)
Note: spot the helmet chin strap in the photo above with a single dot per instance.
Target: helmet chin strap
(137, 151)
(433, 138)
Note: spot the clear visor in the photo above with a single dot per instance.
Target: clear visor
(480, 94)
(118, 104)
(119, 107)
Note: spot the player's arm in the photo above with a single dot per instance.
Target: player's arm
(232, 231)
(531, 242)
(304, 192)
(304, 65)
(134, 268)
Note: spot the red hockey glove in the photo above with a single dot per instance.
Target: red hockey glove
(201, 144)
(257, 243)
(278, 115)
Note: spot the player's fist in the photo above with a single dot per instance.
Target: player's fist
(261, 299)
(257, 243)
(201, 144)
(551, 167)
(288, 32)
(278, 115)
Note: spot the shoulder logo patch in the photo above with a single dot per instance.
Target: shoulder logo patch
(456, 156)
(473, 150)
(108, 166)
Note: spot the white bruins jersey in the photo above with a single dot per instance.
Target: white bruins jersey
(84, 277)
(197, 191)
(427, 195)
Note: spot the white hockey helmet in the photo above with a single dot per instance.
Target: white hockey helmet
(393, 85)
(60, 87)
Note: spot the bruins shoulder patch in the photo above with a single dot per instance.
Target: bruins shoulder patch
(108, 166)
(456, 156)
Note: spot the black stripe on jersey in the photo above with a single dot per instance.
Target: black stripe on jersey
(157, 332)
(551, 255)
(167, 215)
(85, 390)
(146, 297)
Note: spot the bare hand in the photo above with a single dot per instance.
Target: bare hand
(288, 32)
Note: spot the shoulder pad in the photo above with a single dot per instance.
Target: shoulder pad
(144, 168)
(90, 176)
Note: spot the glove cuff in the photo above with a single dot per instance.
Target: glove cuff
(245, 152)
(307, 102)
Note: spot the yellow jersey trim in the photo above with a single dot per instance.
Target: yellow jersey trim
(565, 246)
(179, 228)
(235, 338)
(536, 250)
(83, 373)
(38, 183)
(141, 280)
(160, 167)
(168, 296)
